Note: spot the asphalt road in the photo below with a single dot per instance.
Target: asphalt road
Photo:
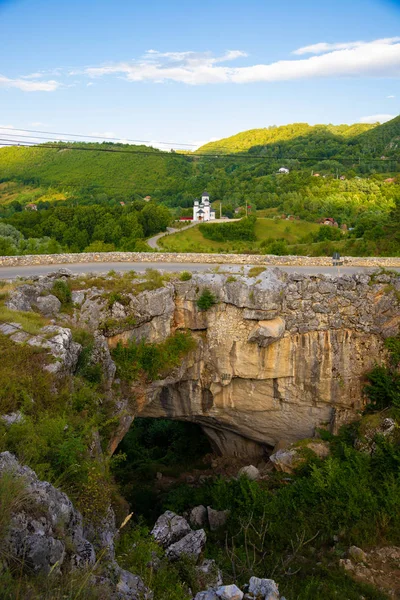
(13, 272)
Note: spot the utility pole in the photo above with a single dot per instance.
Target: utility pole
(220, 210)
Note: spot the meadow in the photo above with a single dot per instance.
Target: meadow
(192, 240)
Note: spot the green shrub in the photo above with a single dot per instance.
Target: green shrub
(206, 300)
(185, 276)
(383, 388)
(151, 359)
(62, 291)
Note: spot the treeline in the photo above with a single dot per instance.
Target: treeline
(86, 228)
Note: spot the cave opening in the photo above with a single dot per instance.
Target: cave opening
(157, 458)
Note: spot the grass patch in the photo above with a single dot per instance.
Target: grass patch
(255, 271)
(31, 322)
(192, 240)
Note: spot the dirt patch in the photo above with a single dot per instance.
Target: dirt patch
(380, 567)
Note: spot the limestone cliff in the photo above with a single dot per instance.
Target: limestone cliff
(277, 355)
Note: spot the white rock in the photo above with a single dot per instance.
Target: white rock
(251, 472)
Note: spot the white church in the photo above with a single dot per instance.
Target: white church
(202, 210)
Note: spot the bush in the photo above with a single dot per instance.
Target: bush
(206, 300)
(185, 276)
(223, 232)
(62, 291)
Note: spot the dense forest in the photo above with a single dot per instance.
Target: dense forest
(348, 173)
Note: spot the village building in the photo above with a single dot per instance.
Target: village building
(283, 170)
(202, 209)
(31, 206)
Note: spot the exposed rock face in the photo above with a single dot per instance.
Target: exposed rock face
(275, 359)
(37, 537)
(46, 534)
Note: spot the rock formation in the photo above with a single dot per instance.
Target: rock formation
(276, 356)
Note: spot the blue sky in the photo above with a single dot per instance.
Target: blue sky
(188, 72)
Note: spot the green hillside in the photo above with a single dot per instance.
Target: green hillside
(385, 138)
(241, 142)
(116, 169)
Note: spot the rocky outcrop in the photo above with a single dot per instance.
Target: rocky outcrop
(45, 534)
(39, 530)
(174, 534)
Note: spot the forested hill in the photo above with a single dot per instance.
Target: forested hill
(88, 172)
(119, 170)
(242, 142)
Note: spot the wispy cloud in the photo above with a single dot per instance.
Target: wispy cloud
(379, 58)
(380, 118)
(391, 96)
(323, 47)
(29, 85)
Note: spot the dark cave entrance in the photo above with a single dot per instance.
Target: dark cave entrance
(157, 458)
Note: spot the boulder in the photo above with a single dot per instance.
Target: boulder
(19, 301)
(287, 461)
(48, 305)
(266, 588)
(198, 516)
(170, 528)
(131, 587)
(14, 417)
(229, 592)
(267, 332)
(357, 555)
(191, 545)
(78, 297)
(206, 595)
(250, 472)
(208, 574)
(217, 518)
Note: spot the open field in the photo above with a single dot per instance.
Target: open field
(192, 239)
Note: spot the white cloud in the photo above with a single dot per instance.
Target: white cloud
(379, 58)
(391, 96)
(324, 47)
(380, 118)
(29, 86)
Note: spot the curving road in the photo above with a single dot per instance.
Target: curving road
(140, 267)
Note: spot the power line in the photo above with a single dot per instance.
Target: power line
(96, 137)
(163, 154)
